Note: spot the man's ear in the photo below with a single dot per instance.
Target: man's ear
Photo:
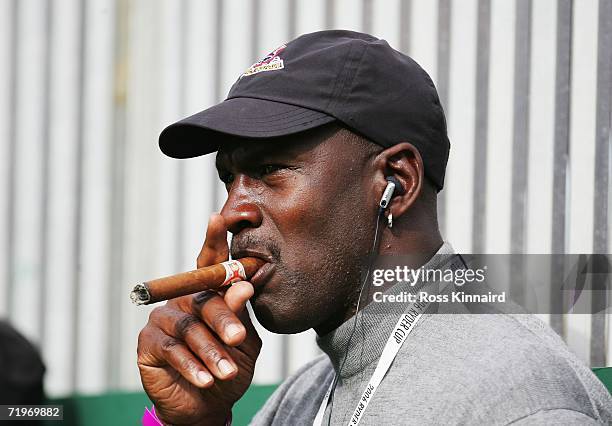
(402, 161)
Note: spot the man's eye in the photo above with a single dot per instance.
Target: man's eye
(269, 168)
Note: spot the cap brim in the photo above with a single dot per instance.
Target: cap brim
(203, 133)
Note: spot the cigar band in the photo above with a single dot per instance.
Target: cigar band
(234, 271)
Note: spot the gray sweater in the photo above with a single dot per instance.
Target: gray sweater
(489, 369)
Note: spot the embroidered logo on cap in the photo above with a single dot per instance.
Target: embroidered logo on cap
(271, 62)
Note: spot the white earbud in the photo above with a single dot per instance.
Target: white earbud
(387, 195)
(392, 185)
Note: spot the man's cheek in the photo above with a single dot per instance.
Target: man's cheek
(304, 206)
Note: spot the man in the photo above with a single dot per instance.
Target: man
(311, 141)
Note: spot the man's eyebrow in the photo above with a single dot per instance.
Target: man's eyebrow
(249, 155)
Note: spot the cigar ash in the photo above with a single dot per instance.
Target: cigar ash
(140, 295)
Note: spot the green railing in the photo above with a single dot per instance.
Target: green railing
(126, 408)
(605, 375)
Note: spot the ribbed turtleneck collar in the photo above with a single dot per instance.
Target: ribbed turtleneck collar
(369, 330)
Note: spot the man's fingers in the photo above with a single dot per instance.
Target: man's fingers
(170, 351)
(211, 307)
(185, 363)
(221, 311)
(238, 294)
(215, 248)
(200, 341)
(236, 298)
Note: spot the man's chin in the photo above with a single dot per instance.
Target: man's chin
(276, 318)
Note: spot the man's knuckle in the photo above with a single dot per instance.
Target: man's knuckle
(210, 351)
(222, 319)
(156, 313)
(187, 364)
(143, 336)
(169, 344)
(185, 324)
(201, 298)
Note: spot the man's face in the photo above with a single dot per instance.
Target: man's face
(301, 202)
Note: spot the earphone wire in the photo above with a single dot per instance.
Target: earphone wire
(380, 215)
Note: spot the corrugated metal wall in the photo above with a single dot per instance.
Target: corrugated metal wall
(89, 206)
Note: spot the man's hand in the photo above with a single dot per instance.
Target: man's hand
(197, 353)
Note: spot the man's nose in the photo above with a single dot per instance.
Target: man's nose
(240, 210)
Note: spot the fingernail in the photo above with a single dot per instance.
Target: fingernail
(225, 367)
(204, 377)
(232, 330)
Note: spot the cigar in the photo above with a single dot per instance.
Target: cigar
(208, 278)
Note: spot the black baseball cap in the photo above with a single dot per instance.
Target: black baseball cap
(318, 78)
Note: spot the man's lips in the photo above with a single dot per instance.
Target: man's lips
(238, 254)
(264, 273)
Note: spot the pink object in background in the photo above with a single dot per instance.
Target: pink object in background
(149, 418)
